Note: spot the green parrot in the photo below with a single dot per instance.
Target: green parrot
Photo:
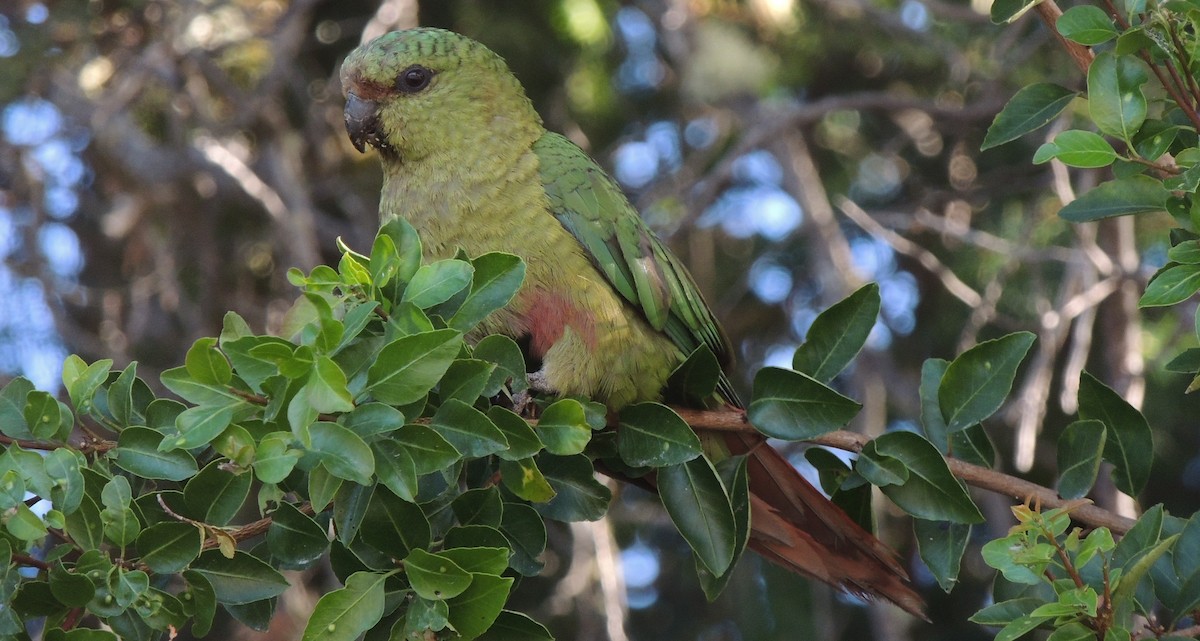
(608, 311)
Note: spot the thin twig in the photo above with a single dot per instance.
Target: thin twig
(928, 260)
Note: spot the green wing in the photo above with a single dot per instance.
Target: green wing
(594, 209)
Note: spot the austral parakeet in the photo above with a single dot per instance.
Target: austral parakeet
(606, 308)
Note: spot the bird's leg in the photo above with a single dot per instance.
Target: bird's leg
(523, 400)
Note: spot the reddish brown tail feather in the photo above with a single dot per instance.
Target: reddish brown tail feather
(795, 526)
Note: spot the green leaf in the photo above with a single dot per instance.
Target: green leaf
(343, 615)
(496, 280)
(395, 468)
(12, 407)
(563, 428)
(42, 414)
(653, 435)
(436, 282)
(72, 589)
(168, 547)
(1121, 197)
(942, 546)
(1086, 24)
(510, 363)
(578, 495)
(1115, 99)
(793, 406)
(430, 452)
(215, 495)
(322, 487)
(23, 524)
(241, 579)
(434, 576)
(524, 479)
(698, 505)
(1170, 286)
(977, 382)
(999, 614)
(838, 334)
(465, 380)
(198, 426)
(1129, 444)
(408, 367)
(326, 387)
(694, 381)
(479, 559)
(394, 526)
(343, 453)
(200, 601)
(514, 626)
(1079, 451)
(206, 364)
(474, 611)
(1005, 11)
(274, 458)
(350, 507)
(1032, 108)
(479, 506)
(523, 442)
(1077, 149)
(736, 479)
(82, 380)
(525, 532)
(933, 370)
(373, 419)
(1187, 252)
(63, 468)
(930, 491)
(467, 429)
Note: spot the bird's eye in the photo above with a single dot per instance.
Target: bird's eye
(413, 79)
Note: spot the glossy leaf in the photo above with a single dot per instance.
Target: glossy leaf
(1030, 109)
(578, 495)
(563, 428)
(241, 579)
(698, 505)
(1129, 444)
(793, 406)
(1079, 451)
(942, 546)
(977, 382)
(215, 495)
(930, 491)
(1171, 286)
(653, 435)
(474, 611)
(433, 576)
(436, 282)
(343, 615)
(1086, 24)
(838, 334)
(408, 367)
(342, 452)
(169, 547)
(496, 279)
(467, 429)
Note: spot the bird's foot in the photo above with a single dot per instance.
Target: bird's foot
(523, 401)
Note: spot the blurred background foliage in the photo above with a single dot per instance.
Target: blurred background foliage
(163, 162)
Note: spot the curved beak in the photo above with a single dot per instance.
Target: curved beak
(362, 122)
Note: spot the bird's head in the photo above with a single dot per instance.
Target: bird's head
(412, 93)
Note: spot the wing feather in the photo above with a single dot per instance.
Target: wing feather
(590, 205)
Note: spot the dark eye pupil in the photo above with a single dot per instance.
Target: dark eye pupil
(414, 79)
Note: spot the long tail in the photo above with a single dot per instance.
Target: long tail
(796, 527)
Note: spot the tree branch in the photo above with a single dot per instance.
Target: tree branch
(729, 420)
